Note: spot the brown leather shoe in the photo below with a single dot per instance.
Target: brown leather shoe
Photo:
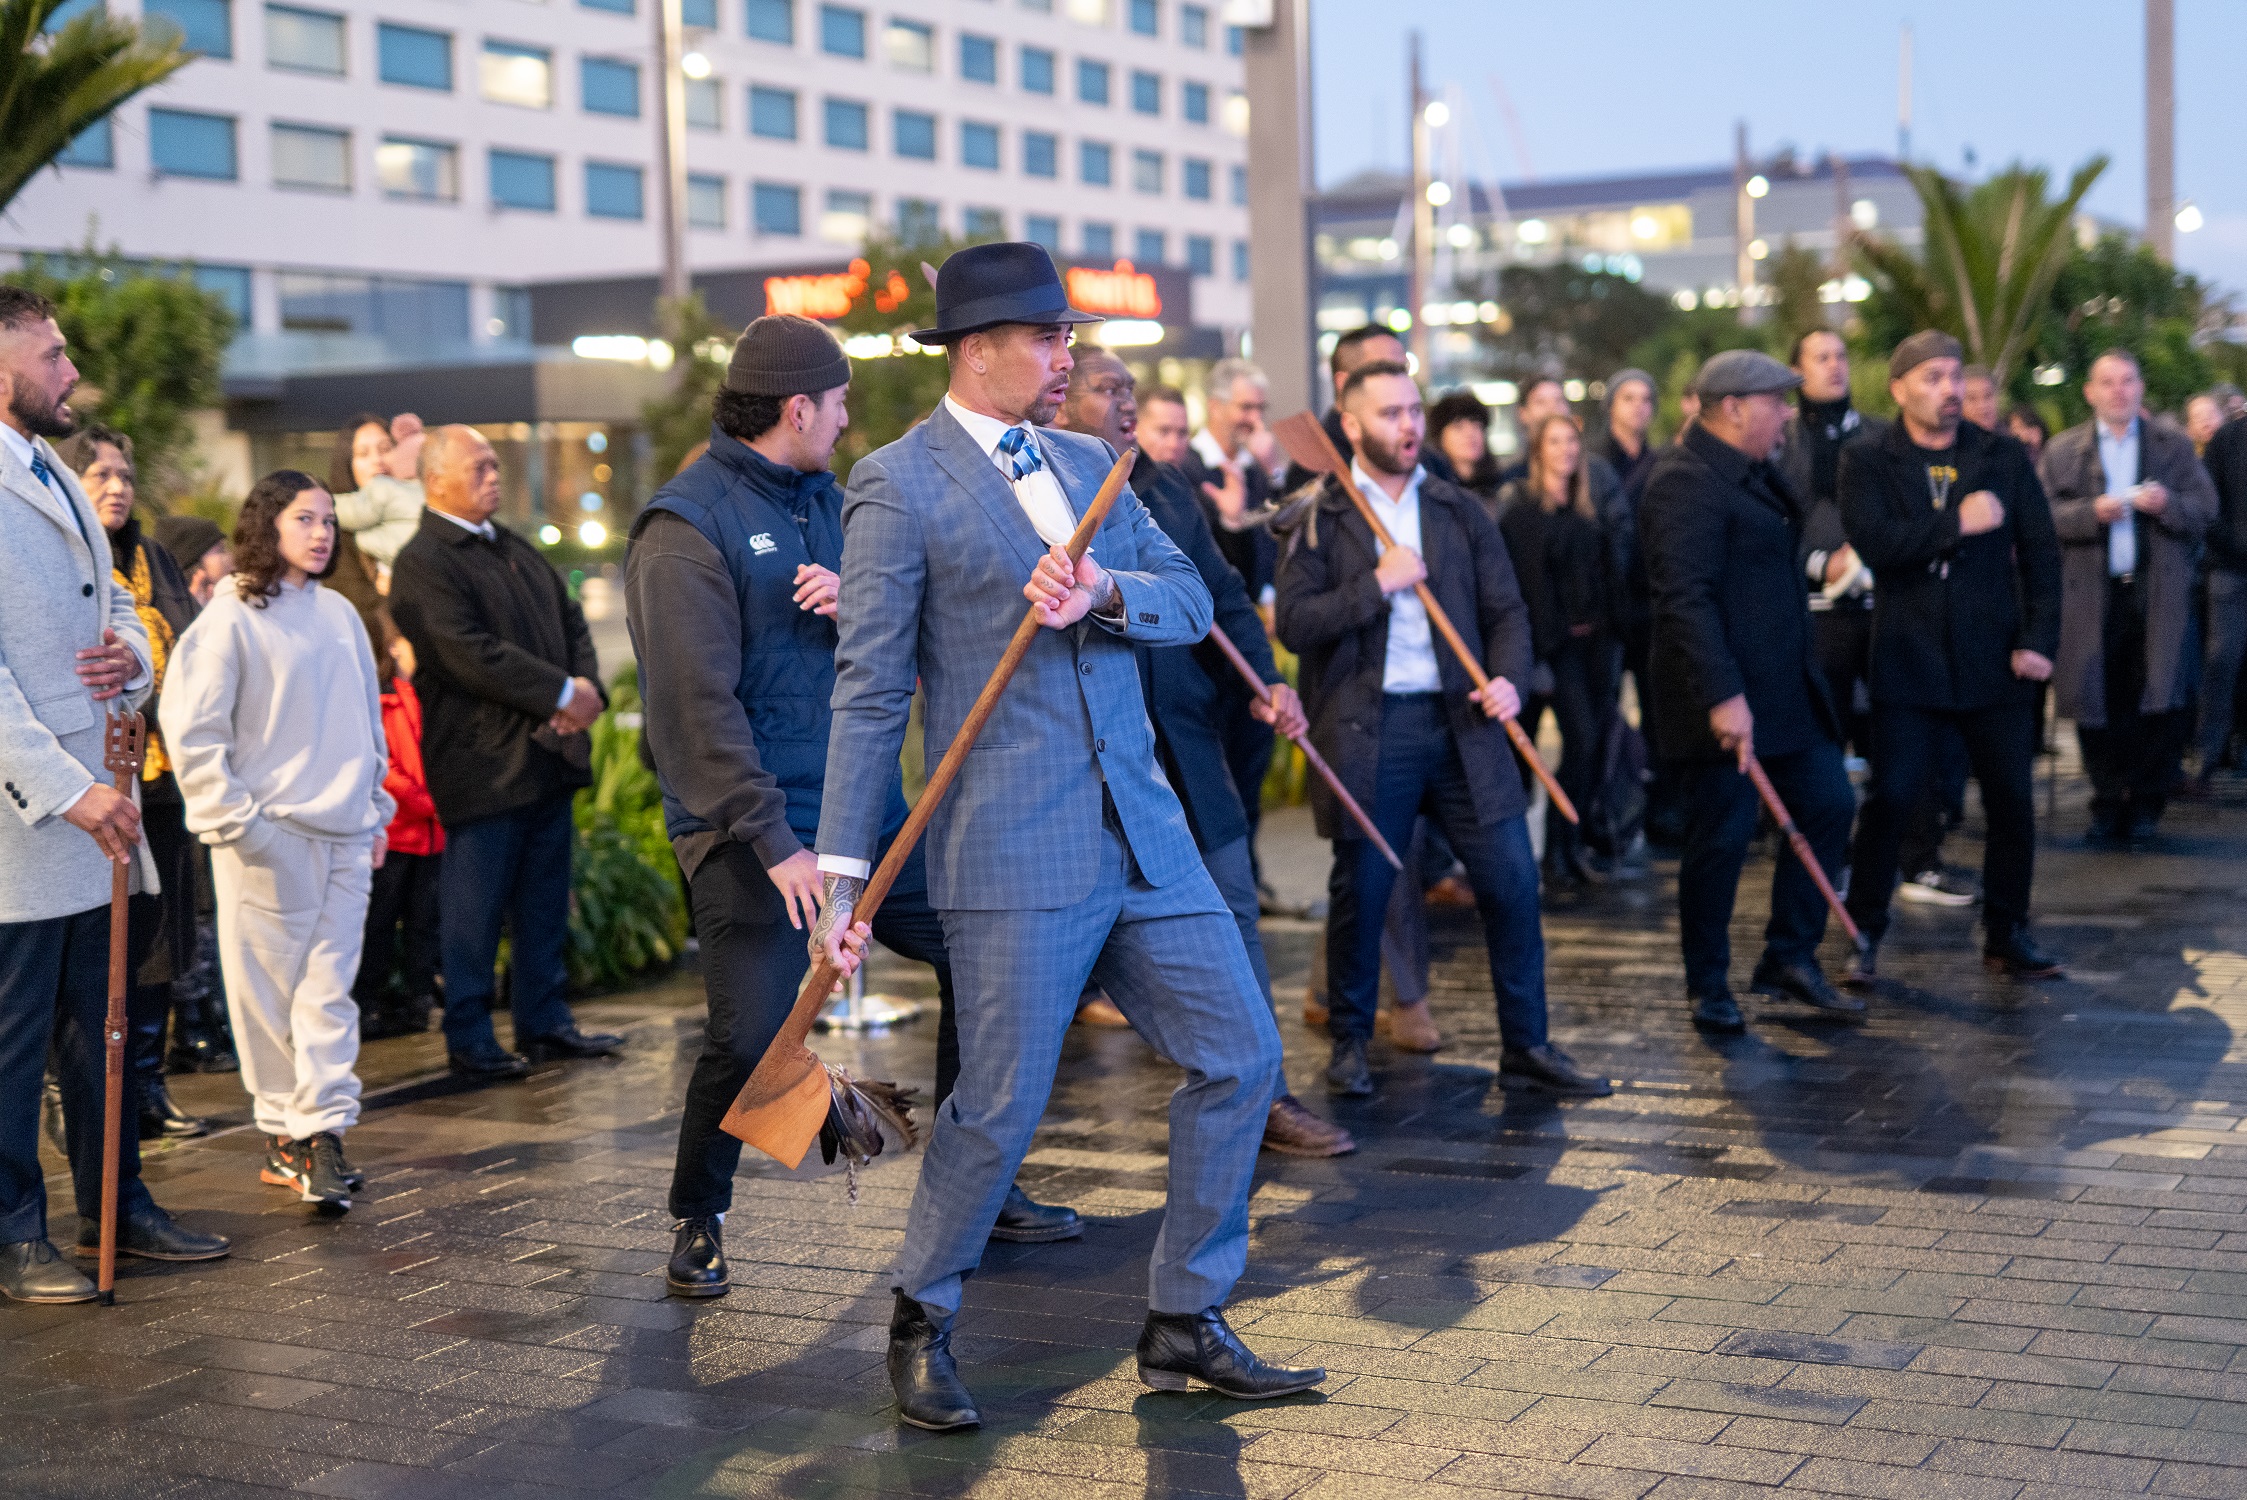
(1292, 1130)
(1101, 1011)
(1314, 1011)
(1409, 1028)
(1451, 892)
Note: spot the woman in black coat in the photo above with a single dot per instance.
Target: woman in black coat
(1553, 535)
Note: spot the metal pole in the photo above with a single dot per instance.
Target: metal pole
(1423, 221)
(1283, 335)
(1743, 224)
(1904, 96)
(2161, 128)
(671, 146)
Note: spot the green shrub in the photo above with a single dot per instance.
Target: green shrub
(628, 914)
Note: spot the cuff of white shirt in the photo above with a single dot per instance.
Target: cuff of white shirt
(1815, 566)
(569, 691)
(835, 864)
(73, 802)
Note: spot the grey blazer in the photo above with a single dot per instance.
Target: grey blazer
(2168, 549)
(56, 596)
(935, 553)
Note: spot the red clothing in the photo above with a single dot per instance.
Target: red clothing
(414, 829)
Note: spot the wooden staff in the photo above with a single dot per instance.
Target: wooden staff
(124, 742)
(781, 1107)
(1801, 847)
(1306, 443)
(1263, 694)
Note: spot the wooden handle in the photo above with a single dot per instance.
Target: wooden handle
(125, 746)
(1310, 752)
(824, 975)
(1443, 625)
(1802, 850)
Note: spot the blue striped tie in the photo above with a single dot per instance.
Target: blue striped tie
(1022, 454)
(40, 471)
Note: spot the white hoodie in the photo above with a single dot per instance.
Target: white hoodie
(276, 714)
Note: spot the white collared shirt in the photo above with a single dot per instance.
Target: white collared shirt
(1410, 666)
(2118, 456)
(1039, 493)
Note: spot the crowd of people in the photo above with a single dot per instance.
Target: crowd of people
(368, 707)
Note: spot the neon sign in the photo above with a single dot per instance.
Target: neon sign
(1124, 292)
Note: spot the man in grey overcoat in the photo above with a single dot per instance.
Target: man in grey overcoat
(2131, 502)
(1061, 852)
(71, 650)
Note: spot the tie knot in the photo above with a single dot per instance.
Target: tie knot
(39, 469)
(1022, 458)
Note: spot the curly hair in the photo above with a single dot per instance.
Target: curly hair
(342, 478)
(258, 564)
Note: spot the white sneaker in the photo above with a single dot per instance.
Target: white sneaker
(1936, 888)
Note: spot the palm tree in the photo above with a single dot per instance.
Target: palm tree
(1989, 258)
(54, 85)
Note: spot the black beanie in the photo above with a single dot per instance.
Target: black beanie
(784, 355)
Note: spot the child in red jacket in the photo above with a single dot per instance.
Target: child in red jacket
(405, 888)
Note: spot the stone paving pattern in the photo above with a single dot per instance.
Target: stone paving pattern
(1992, 1245)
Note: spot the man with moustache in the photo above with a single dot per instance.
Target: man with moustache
(1060, 853)
(1952, 519)
(1404, 727)
(1184, 699)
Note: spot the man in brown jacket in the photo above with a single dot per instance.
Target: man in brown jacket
(2131, 502)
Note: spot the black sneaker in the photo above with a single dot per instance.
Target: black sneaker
(313, 1166)
(282, 1168)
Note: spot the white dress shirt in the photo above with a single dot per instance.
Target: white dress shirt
(1410, 666)
(2118, 456)
(1039, 493)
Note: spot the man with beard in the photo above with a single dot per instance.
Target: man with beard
(1185, 686)
(1404, 727)
(1734, 676)
(1060, 854)
(1952, 519)
(72, 650)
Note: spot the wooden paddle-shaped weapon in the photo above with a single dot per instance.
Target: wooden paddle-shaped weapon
(1801, 847)
(1306, 443)
(782, 1106)
(124, 744)
(1263, 694)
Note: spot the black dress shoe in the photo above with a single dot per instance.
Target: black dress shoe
(1718, 1012)
(1806, 983)
(1023, 1221)
(1347, 1073)
(1177, 1350)
(488, 1063)
(930, 1394)
(571, 1043)
(2107, 831)
(698, 1260)
(160, 1118)
(2144, 823)
(1863, 972)
(1546, 1067)
(2016, 956)
(153, 1234)
(34, 1271)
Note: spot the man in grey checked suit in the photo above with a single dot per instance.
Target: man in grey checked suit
(1061, 853)
(71, 650)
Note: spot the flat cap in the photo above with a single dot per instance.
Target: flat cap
(784, 355)
(1927, 344)
(1742, 372)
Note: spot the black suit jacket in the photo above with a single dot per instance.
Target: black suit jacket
(1333, 614)
(1722, 540)
(1950, 611)
(1189, 687)
(495, 636)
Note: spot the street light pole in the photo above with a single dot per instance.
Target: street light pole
(671, 146)
(1423, 219)
(1743, 224)
(2161, 128)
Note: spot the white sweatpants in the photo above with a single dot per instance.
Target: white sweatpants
(292, 913)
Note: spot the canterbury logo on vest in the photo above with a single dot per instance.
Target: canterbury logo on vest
(763, 543)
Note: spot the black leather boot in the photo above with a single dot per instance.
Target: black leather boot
(50, 1116)
(160, 1117)
(1181, 1349)
(1025, 1221)
(697, 1267)
(930, 1394)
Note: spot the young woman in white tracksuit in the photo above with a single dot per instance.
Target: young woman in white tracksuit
(271, 711)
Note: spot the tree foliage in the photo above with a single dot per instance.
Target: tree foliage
(890, 393)
(1564, 319)
(53, 85)
(679, 420)
(148, 344)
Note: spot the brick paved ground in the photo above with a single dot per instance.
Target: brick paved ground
(1992, 1245)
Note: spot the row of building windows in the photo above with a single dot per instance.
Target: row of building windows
(843, 29)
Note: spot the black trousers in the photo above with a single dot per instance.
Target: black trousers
(1720, 822)
(54, 987)
(1248, 755)
(1842, 637)
(2133, 758)
(753, 963)
(2000, 746)
(1582, 701)
(159, 932)
(405, 893)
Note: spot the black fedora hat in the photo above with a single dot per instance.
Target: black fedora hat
(986, 285)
